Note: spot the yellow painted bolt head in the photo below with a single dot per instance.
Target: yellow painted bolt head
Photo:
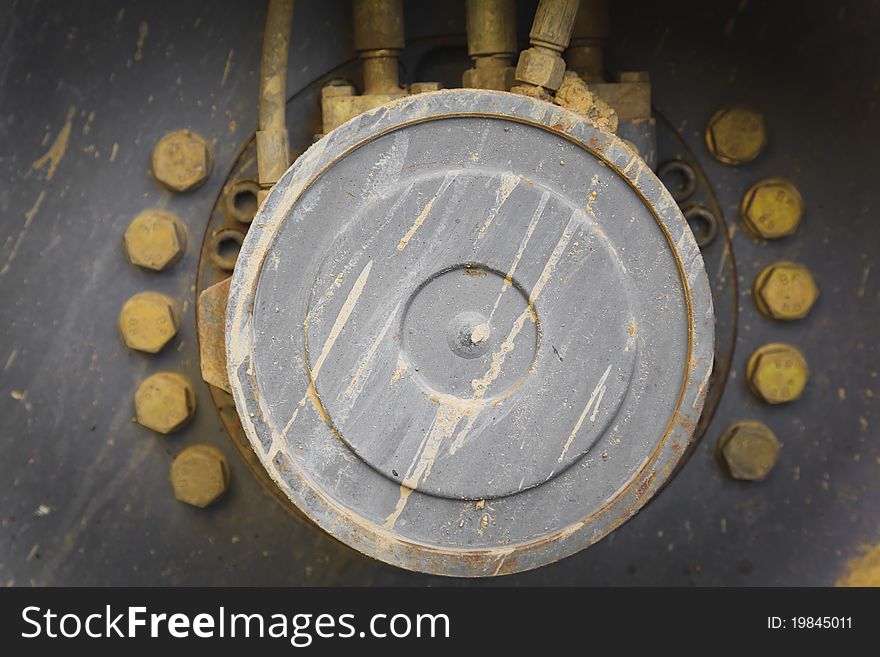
(735, 135)
(155, 240)
(148, 321)
(164, 402)
(199, 475)
(748, 450)
(785, 290)
(772, 208)
(182, 160)
(777, 373)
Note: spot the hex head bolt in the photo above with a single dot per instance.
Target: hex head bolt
(772, 208)
(200, 475)
(182, 161)
(748, 450)
(148, 321)
(735, 135)
(785, 291)
(165, 402)
(777, 373)
(155, 240)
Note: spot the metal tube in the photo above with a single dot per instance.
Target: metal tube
(554, 20)
(584, 53)
(491, 28)
(541, 68)
(491, 34)
(272, 144)
(378, 38)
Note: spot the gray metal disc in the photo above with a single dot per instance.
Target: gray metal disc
(469, 333)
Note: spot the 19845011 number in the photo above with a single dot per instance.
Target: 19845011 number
(810, 623)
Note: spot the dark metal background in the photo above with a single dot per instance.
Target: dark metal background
(84, 492)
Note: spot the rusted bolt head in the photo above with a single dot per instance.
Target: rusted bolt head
(164, 402)
(154, 240)
(748, 450)
(182, 160)
(148, 321)
(772, 208)
(777, 373)
(540, 68)
(199, 475)
(735, 135)
(785, 290)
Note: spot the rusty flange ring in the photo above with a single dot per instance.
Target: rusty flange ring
(423, 474)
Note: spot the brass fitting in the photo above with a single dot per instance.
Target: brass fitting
(378, 38)
(182, 161)
(273, 147)
(588, 36)
(155, 240)
(148, 321)
(735, 135)
(777, 373)
(772, 208)
(491, 33)
(164, 402)
(541, 66)
(200, 475)
(785, 291)
(748, 450)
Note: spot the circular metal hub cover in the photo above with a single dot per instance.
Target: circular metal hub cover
(469, 333)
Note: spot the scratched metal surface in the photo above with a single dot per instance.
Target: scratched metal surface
(466, 211)
(85, 498)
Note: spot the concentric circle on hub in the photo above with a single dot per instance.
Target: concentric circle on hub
(456, 320)
(469, 333)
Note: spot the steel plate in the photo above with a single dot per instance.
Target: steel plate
(470, 333)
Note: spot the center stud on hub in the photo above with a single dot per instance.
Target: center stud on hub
(468, 333)
(457, 321)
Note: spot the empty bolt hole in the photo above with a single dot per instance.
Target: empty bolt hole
(241, 201)
(679, 178)
(703, 224)
(225, 246)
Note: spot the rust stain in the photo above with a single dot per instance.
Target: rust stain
(646, 484)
